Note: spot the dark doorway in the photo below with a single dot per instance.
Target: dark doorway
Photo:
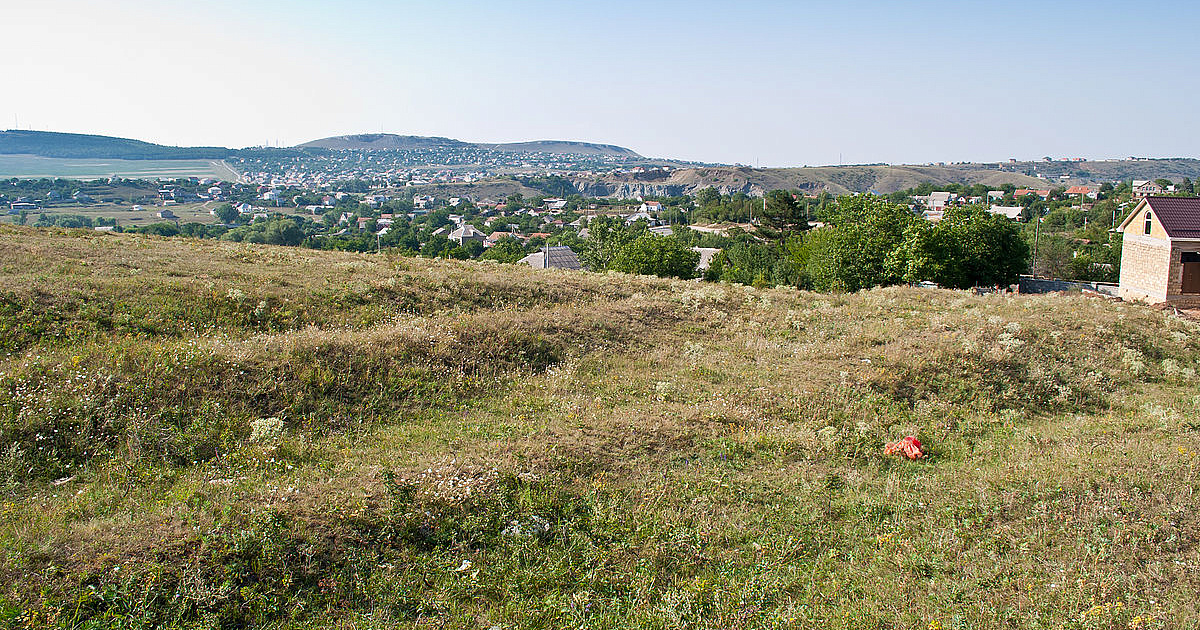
(1191, 272)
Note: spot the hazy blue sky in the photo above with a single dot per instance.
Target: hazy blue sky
(776, 83)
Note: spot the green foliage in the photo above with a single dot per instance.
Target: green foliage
(852, 253)
(712, 206)
(782, 215)
(63, 221)
(758, 264)
(227, 213)
(968, 247)
(608, 235)
(506, 250)
(657, 256)
(435, 246)
(633, 249)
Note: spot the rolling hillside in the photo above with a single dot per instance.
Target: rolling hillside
(74, 145)
(215, 434)
(835, 179)
(387, 141)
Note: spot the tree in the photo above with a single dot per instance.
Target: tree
(708, 197)
(607, 236)
(283, 232)
(506, 250)
(851, 254)
(782, 215)
(658, 256)
(968, 247)
(435, 246)
(514, 202)
(227, 213)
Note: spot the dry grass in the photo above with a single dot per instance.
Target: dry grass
(701, 455)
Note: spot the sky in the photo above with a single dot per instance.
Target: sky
(752, 82)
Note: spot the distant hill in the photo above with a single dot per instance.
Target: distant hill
(383, 142)
(76, 145)
(389, 141)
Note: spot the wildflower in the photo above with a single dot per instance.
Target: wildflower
(266, 429)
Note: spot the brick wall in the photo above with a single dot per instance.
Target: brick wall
(1146, 265)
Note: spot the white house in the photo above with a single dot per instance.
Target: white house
(639, 216)
(1143, 188)
(1012, 212)
(467, 233)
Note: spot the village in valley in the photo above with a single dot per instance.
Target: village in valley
(527, 209)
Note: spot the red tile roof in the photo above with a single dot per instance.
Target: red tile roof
(1079, 190)
(1180, 216)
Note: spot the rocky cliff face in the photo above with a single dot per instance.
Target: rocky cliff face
(633, 190)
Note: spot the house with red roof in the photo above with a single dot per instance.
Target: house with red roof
(1083, 191)
(1021, 192)
(1160, 255)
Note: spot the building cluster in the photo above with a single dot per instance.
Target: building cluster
(412, 167)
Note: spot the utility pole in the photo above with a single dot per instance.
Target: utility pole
(1036, 233)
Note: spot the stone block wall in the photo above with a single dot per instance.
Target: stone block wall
(1147, 264)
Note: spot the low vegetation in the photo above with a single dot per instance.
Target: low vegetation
(205, 434)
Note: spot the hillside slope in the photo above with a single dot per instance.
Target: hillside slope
(212, 434)
(835, 179)
(76, 145)
(388, 141)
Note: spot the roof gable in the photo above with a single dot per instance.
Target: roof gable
(1178, 216)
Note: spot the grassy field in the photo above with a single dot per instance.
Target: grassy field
(206, 434)
(32, 166)
(124, 213)
(127, 217)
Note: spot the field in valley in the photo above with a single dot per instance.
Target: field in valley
(208, 434)
(33, 166)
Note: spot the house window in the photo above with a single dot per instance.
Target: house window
(1148, 222)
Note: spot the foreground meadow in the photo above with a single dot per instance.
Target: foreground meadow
(202, 434)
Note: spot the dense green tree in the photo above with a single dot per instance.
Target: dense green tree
(506, 250)
(282, 232)
(657, 256)
(782, 215)
(227, 213)
(435, 246)
(608, 235)
(968, 247)
(851, 253)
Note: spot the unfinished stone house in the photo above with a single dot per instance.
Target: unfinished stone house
(1160, 257)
